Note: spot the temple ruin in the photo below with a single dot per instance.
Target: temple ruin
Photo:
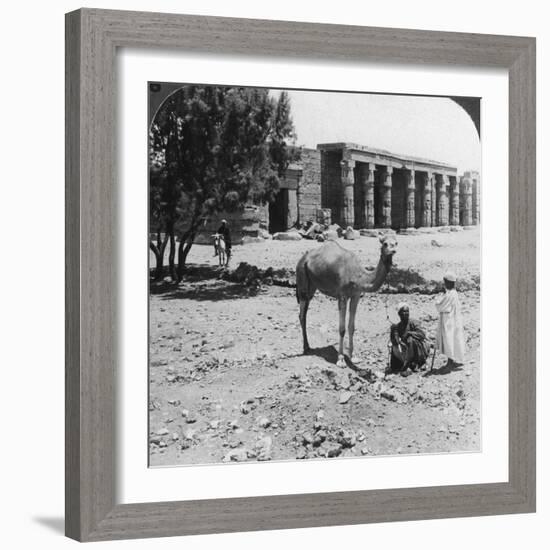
(365, 188)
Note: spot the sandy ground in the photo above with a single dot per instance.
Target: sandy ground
(228, 381)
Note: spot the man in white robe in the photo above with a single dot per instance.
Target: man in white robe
(450, 332)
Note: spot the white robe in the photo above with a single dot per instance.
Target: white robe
(450, 332)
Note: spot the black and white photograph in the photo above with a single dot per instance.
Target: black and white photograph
(314, 274)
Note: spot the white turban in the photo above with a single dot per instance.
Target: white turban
(402, 305)
(450, 276)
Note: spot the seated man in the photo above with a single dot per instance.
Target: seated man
(409, 348)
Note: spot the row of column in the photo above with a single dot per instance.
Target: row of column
(436, 188)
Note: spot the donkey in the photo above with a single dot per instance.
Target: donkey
(219, 247)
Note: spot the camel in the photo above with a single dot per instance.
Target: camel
(338, 273)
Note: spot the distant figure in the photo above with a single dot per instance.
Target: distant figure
(410, 349)
(224, 231)
(220, 249)
(450, 332)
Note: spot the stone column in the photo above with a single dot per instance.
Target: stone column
(348, 210)
(411, 188)
(386, 196)
(434, 200)
(427, 200)
(454, 213)
(367, 184)
(442, 200)
(466, 200)
(475, 200)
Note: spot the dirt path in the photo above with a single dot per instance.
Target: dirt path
(228, 381)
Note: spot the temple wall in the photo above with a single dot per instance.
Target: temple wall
(309, 188)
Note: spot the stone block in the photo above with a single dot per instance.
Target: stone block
(369, 232)
(351, 234)
(408, 231)
(288, 236)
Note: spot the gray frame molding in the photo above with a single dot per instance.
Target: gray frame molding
(92, 38)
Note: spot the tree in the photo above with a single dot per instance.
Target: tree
(215, 149)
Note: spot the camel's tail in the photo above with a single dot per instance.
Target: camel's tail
(303, 281)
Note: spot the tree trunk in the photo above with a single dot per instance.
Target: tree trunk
(172, 254)
(158, 251)
(185, 245)
(187, 249)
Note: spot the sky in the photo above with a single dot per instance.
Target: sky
(429, 127)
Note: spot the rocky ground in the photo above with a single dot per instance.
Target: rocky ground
(228, 381)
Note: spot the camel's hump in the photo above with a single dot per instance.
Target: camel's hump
(332, 254)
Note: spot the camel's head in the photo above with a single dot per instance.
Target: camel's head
(388, 249)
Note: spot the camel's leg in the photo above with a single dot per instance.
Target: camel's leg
(304, 305)
(342, 306)
(351, 326)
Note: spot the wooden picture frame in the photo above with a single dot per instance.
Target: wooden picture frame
(92, 39)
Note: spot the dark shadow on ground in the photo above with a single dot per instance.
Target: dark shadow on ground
(445, 369)
(212, 291)
(57, 525)
(328, 353)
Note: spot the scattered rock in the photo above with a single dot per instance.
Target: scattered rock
(336, 228)
(369, 232)
(331, 450)
(288, 236)
(346, 438)
(319, 438)
(263, 448)
(264, 422)
(190, 434)
(351, 234)
(236, 455)
(344, 382)
(301, 453)
(345, 396)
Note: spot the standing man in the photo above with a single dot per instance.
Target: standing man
(224, 230)
(450, 332)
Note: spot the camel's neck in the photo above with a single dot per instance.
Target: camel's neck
(375, 281)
